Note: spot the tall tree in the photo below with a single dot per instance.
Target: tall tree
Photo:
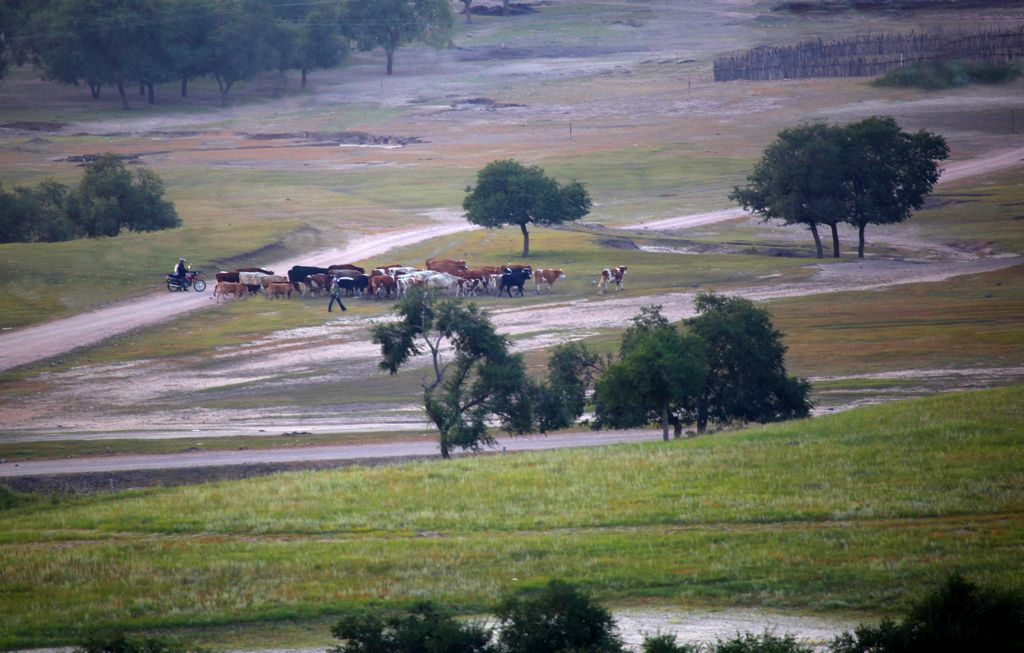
(572, 369)
(314, 38)
(888, 172)
(509, 193)
(241, 43)
(746, 379)
(391, 24)
(480, 379)
(659, 374)
(99, 42)
(798, 180)
(188, 39)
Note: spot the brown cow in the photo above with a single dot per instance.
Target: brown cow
(230, 277)
(274, 278)
(279, 289)
(613, 275)
(547, 278)
(382, 284)
(451, 266)
(226, 288)
(317, 283)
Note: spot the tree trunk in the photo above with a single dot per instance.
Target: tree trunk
(469, 16)
(835, 239)
(504, 8)
(702, 417)
(446, 452)
(142, 88)
(391, 60)
(677, 426)
(149, 93)
(305, 73)
(94, 90)
(817, 240)
(664, 423)
(124, 98)
(526, 240)
(860, 240)
(184, 86)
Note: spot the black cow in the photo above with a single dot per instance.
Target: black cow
(514, 278)
(350, 286)
(300, 273)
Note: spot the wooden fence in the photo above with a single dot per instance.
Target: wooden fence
(871, 54)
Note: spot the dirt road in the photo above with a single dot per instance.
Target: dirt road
(44, 341)
(990, 162)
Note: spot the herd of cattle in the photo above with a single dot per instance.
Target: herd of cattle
(450, 277)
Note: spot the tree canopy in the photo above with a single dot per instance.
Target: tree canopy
(509, 193)
(746, 378)
(390, 24)
(658, 377)
(867, 172)
(479, 380)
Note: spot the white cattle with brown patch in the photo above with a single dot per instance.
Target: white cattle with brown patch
(547, 278)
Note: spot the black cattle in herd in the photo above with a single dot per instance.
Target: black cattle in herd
(514, 279)
(300, 273)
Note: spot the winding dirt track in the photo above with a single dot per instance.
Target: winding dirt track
(51, 339)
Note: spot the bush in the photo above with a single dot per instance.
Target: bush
(118, 642)
(424, 628)
(947, 74)
(11, 499)
(765, 643)
(556, 619)
(959, 616)
(666, 644)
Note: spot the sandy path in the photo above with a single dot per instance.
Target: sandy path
(39, 342)
(990, 162)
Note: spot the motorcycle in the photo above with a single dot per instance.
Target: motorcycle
(193, 280)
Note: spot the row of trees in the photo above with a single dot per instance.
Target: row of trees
(122, 43)
(109, 199)
(863, 173)
(726, 366)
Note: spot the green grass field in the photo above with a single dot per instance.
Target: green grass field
(853, 512)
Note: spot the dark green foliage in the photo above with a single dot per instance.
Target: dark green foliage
(424, 628)
(556, 619)
(109, 199)
(887, 172)
(509, 193)
(958, 616)
(11, 499)
(659, 375)
(746, 378)
(867, 172)
(666, 644)
(390, 24)
(765, 643)
(795, 181)
(947, 74)
(480, 380)
(572, 369)
(121, 643)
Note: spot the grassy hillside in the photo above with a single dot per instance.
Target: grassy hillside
(857, 511)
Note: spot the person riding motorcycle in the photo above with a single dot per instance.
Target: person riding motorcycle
(180, 270)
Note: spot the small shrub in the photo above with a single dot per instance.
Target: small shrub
(424, 628)
(947, 74)
(666, 643)
(118, 642)
(557, 619)
(766, 642)
(959, 616)
(11, 499)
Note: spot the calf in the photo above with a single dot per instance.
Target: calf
(226, 288)
(513, 278)
(279, 289)
(547, 278)
(611, 275)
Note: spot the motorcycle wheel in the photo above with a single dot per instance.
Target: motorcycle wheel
(199, 285)
(172, 287)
